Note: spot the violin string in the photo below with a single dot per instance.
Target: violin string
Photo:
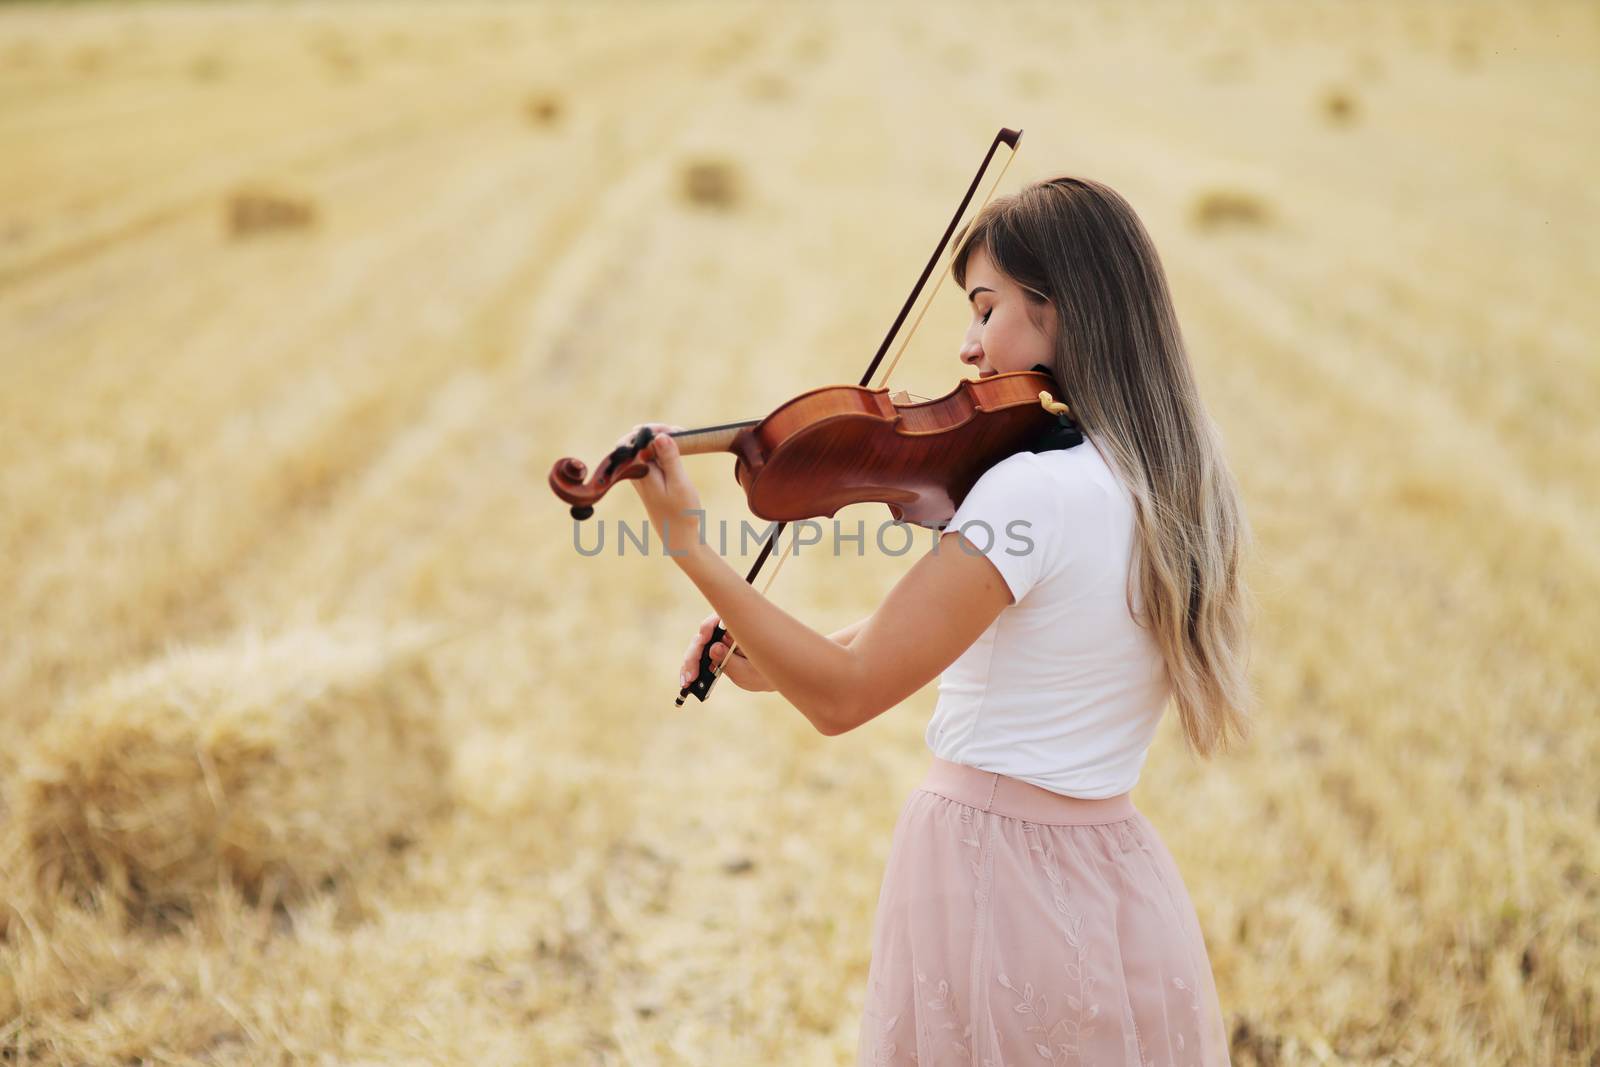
(883, 381)
(776, 567)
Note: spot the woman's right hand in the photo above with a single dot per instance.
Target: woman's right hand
(745, 675)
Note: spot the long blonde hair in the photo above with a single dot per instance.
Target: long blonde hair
(1121, 365)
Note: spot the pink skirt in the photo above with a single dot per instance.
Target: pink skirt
(1020, 926)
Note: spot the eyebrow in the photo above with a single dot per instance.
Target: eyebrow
(976, 289)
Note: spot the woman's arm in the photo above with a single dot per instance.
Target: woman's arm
(848, 634)
(932, 615)
(739, 669)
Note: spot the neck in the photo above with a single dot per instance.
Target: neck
(703, 439)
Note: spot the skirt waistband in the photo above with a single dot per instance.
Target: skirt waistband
(991, 791)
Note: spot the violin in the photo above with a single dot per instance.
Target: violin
(846, 444)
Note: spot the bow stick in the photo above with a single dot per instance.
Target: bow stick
(709, 673)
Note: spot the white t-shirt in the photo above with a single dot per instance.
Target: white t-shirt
(1063, 690)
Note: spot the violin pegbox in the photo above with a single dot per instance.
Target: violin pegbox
(569, 478)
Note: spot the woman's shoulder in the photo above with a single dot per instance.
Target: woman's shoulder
(1049, 488)
(1074, 473)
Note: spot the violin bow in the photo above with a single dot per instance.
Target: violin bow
(709, 673)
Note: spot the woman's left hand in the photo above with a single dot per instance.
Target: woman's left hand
(669, 496)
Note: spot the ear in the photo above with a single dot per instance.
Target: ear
(1044, 318)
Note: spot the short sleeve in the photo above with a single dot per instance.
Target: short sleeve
(1013, 514)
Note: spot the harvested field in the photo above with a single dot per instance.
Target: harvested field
(321, 741)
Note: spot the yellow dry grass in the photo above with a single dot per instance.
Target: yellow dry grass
(299, 303)
(275, 765)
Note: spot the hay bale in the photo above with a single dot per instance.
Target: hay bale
(1369, 67)
(1338, 106)
(1218, 208)
(1226, 65)
(89, 59)
(207, 68)
(711, 183)
(1032, 82)
(282, 762)
(769, 86)
(252, 211)
(543, 109)
(337, 54)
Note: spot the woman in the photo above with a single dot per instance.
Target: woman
(1029, 913)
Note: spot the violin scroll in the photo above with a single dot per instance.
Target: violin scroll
(569, 476)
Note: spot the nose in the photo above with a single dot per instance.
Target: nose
(971, 350)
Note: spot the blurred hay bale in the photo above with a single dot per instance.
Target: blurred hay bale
(1226, 65)
(253, 211)
(767, 85)
(1218, 208)
(812, 49)
(337, 55)
(543, 109)
(282, 762)
(22, 54)
(711, 183)
(1032, 82)
(207, 68)
(1369, 67)
(1338, 106)
(89, 60)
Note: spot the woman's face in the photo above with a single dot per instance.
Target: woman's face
(1002, 336)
